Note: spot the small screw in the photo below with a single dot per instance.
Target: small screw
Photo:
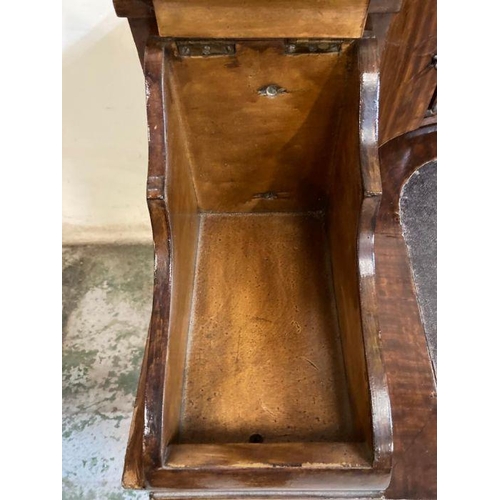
(271, 90)
(291, 47)
(312, 48)
(206, 50)
(185, 51)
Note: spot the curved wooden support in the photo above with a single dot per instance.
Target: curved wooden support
(356, 198)
(410, 375)
(372, 189)
(401, 158)
(144, 451)
(160, 222)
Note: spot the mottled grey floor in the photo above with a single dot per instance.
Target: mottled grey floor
(419, 219)
(106, 307)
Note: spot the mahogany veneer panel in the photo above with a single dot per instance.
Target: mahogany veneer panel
(412, 384)
(408, 78)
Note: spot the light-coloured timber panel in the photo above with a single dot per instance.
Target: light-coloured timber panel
(261, 18)
(343, 218)
(252, 152)
(308, 455)
(184, 222)
(264, 356)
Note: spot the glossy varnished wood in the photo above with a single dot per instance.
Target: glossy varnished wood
(219, 146)
(244, 338)
(409, 371)
(141, 19)
(134, 9)
(406, 28)
(261, 19)
(410, 376)
(408, 76)
(133, 468)
(160, 222)
(399, 159)
(142, 29)
(352, 213)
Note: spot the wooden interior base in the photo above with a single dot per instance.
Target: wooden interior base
(265, 360)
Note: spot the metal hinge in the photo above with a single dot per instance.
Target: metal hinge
(208, 48)
(313, 46)
(205, 48)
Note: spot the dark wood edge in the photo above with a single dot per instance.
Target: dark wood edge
(134, 9)
(402, 160)
(142, 29)
(372, 190)
(145, 8)
(429, 120)
(414, 162)
(144, 448)
(216, 483)
(133, 468)
(157, 204)
(384, 6)
(408, 365)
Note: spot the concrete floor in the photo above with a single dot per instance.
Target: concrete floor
(107, 295)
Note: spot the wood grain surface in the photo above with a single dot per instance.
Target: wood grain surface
(249, 455)
(261, 18)
(134, 9)
(184, 221)
(408, 77)
(407, 29)
(251, 152)
(352, 213)
(410, 376)
(409, 371)
(160, 222)
(142, 29)
(265, 355)
(261, 309)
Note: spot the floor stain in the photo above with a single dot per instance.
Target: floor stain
(107, 295)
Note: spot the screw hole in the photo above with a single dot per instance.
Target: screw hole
(256, 438)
